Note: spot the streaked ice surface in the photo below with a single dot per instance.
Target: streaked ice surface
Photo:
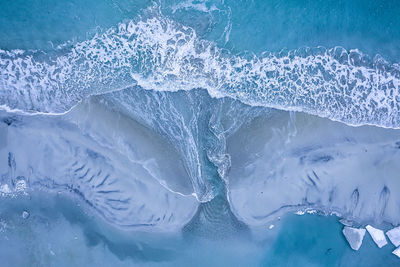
(191, 132)
(298, 161)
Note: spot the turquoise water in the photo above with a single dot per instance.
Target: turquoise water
(257, 26)
(59, 232)
(188, 133)
(47, 24)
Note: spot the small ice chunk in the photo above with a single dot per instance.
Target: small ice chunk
(271, 226)
(396, 252)
(354, 236)
(394, 236)
(377, 235)
(25, 214)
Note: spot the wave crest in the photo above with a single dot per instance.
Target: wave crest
(156, 53)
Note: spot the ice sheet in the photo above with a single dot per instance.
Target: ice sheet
(129, 176)
(288, 163)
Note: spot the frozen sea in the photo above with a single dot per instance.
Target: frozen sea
(199, 133)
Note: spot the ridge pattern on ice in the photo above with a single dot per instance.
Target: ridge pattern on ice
(65, 158)
(296, 162)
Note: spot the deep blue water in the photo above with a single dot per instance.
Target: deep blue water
(189, 133)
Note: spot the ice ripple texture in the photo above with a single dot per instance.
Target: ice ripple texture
(156, 53)
(302, 163)
(118, 175)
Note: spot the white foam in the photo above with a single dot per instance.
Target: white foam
(377, 235)
(394, 236)
(159, 54)
(354, 236)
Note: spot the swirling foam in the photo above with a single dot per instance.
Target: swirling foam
(157, 53)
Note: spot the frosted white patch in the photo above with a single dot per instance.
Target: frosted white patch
(377, 235)
(394, 236)
(157, 53)
(354, 236)
(396, 252)
(4, 189)
(299, 212)
(271, 226)
(20, 186)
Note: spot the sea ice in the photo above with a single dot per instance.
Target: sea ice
(301, 162)
(354, 236)
(396, 252)
(5, 189)
(377, 235)
(394, 236)
(25, 214)
(128, 175)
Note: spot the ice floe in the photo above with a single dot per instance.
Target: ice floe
(25, 214)
(394, 236)
(377, 235)
(354, 236)
(396, 252)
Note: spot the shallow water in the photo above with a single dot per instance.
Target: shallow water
(60, 232)
(180, 133)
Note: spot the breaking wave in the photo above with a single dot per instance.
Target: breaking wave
(156, 53)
